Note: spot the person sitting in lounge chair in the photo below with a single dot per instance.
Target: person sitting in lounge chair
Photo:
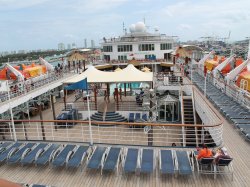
(204, 152)
(221, 153)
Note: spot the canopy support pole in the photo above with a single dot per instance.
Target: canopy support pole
(125, 92)
(95, 97)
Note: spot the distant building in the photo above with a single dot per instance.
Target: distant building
(69, 46)
(21, 52)
(73, 46)
(92, 44)
(61, 47)
(13, 52)
(85, 43)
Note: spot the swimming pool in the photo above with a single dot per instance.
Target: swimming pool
(135, 86)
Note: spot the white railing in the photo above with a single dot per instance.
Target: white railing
(106, 132)
(21, 88)
(231, 90)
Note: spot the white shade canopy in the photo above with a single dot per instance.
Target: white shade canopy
(128, 74)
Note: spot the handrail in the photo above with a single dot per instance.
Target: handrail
(115, 123)
(205, 99)
(230, 89)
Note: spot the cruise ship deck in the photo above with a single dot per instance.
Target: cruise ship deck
(238, 147)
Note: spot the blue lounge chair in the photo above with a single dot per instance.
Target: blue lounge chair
(184, 165)
(131, 162)
(9, 151)
(4, 146)
(137, 116)
(131, 117)
(144, 117)
(96, 158)
(38, 185)
(147, 161)
(20, 153)
(112, 160)
(77, 158)
(204, 165)
(167, 164)
(30, 157)
(60, 159)
(219, 167)
(44, 156)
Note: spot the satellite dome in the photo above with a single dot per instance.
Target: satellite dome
(140, 27)
(132, 28)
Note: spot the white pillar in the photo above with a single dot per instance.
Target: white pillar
(90, 127)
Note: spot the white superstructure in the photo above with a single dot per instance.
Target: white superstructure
(138, 45)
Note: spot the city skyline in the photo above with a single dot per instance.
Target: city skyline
(42, 24)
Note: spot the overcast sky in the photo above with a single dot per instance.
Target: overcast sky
(42, 24)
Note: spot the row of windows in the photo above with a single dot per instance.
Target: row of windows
(108, 48)
(122, 57)
(166, 46)
(146, 47)
(141, 47)
(124, 48)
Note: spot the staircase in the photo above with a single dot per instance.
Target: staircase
(189, 119)
(108, 116)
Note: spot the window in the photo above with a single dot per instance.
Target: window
(166, 46)
(107, 57)
(107, 48)
(124, 48)
(122, 57)
(150, 57)
(146, 47)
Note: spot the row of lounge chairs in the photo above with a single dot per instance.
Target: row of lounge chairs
(233, 111)
(137, 117)
(130, 160)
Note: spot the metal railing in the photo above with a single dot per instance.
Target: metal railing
(231, 90)
(122, 133)
(22, 88)
(129, 106)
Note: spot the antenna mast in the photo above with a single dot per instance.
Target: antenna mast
(123, 28)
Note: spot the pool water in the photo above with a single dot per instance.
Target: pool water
(135, 86)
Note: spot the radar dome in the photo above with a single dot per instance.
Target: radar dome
(132, 28)
(140, 27)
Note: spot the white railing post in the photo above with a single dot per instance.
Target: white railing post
(90, 127)
(11, 113)
(52, 130)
